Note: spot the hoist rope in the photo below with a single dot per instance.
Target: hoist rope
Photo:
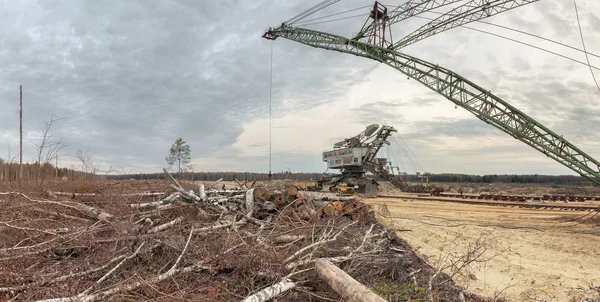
(270, 109)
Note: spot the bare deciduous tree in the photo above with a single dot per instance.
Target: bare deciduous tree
(48, 148)
(88, 166)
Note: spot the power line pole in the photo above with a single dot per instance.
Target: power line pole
(20, 133)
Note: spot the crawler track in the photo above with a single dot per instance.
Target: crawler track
(529, 205)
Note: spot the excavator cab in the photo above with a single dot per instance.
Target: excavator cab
(345, 189)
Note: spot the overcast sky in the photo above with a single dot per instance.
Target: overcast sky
(129, 77)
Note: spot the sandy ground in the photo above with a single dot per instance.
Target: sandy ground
(530, 255)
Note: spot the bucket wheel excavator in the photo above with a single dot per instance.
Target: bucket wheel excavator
(374, 41)
(359, 166)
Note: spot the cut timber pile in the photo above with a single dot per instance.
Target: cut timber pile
(205, 243)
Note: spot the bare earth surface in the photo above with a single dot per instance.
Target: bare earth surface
(530, 255)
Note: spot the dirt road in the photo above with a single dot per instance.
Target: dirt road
(527, 255)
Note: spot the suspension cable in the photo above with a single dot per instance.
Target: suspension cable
(523, 43)
(332, 15)
(525, 33)
(482, 31)
(311, 11)
(419, 164)
(583, 43)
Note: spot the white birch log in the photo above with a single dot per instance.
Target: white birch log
(90, 211)
(167, 199)
(172, 178)
(220, 226)
(288, 238)
(271, 292)
(118, 265)
(214, 183)
(338, 259)
(166, 225)
(250, 201)
(343, 284)
(201, 192)
(187, 243)
(223, 192)
(243, 186)
(189, 195)
(94, 194)
(57, 214)
(324, 196)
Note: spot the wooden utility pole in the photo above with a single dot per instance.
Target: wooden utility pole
(20, 133)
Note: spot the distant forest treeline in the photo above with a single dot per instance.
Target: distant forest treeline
(508, 178)
(443, 177)
(9, 172)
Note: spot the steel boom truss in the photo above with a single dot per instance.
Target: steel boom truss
(462, 92)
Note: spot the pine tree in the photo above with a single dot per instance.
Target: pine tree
(179, 154)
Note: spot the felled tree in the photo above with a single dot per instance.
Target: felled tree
(179, 154)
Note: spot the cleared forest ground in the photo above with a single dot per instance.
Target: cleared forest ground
(527, 255)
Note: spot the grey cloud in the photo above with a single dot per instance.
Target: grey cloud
(132, 76)
(555, 15)
(374, 113)
(521, 22)
(521, 63)
(594, 21)
(462, 128)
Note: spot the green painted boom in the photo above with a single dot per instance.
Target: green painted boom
(462, 92)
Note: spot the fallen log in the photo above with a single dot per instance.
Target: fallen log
(250, 202)
(271, 292)
(292, 191)
(202, 192)
(57, 214)
(168, 199)
(262, 194)
(166, 225)
(329, 209)
(189, 195)
(224, 192)
(344, 284)
(241, 185)
(212, 185)
(288, 238)
(278, 199)
(323, 196)
(87, 210)
(97, 194)
(172, 178)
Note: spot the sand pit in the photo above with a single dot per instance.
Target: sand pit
(530, 255)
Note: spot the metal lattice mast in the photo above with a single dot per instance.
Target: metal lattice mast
(471, 11)
(462, 92)
(403, 12)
